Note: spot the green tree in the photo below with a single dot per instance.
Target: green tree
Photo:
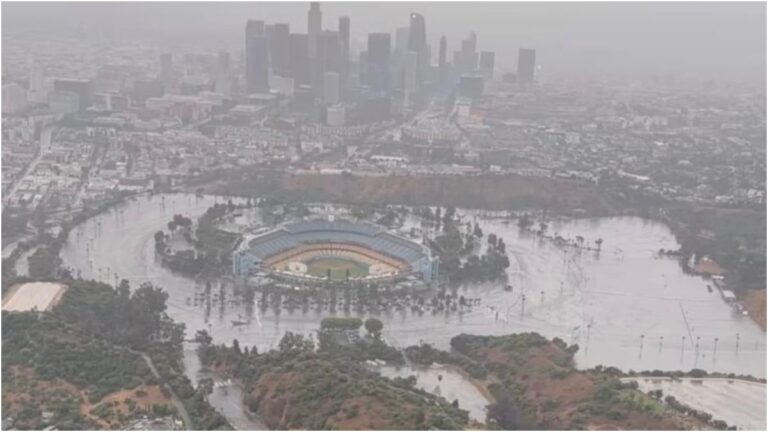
(374, 327)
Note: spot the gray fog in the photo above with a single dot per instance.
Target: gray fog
(722, 41)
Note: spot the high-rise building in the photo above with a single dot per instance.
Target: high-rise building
(331, 88)
(253, 28)
(487, 64)
(442, 62)
(467, 57)
(362, 65)
(442, 58)
(401, 40)
(223, 62)
(256, 62)
(417, 42)
(526, 65)
(300, 63)
(378, 59)
(256, 57)
(411, 74)
(344, 24)
(472, 42)
(314, 27)
(328, 59)
(223, 79)
(280, 48)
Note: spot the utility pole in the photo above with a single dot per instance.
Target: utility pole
(682, 349)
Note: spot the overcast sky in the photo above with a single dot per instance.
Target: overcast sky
(703, 40)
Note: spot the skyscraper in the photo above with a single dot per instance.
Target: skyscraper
(487, 63)
(328, 59)
(411, 75)
(222, 83)
(401, 40)
(468, 56)
(256, 57)
(442, 61)
(314, 27)
(299, 62)
(379, 48)
(223, 62)
(280, 45)
(417, 42)
(253, 28)
(442, 55)
(344, 39)
(526, 65)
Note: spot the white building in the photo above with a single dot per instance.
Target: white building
(335, 115)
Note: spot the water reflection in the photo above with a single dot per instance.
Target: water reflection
(227, 396)
(447, 382)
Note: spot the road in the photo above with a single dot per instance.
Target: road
(180, 408)
(45, 147)
(738, 402)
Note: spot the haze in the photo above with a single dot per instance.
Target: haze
(701, 41)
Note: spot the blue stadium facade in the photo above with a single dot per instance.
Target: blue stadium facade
(253, 251)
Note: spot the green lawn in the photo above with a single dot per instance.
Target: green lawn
(338, 266)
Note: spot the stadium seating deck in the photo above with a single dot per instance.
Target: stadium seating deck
(294, 235)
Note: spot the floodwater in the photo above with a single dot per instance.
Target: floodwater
(22, 262)
(227, 395)
(624, 306)
(444, 381)
(738, 403)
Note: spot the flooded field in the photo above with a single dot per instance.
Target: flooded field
(444, 381)
(738, 403)
(623, 306)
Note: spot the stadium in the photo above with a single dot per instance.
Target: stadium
(333, 250)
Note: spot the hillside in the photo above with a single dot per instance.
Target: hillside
(295, 387)
(499, 192)
(88, 363)
(536, 386)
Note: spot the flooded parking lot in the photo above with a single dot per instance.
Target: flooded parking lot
(607, 303)
(447, 382)
(624, 306)
(738, 403)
